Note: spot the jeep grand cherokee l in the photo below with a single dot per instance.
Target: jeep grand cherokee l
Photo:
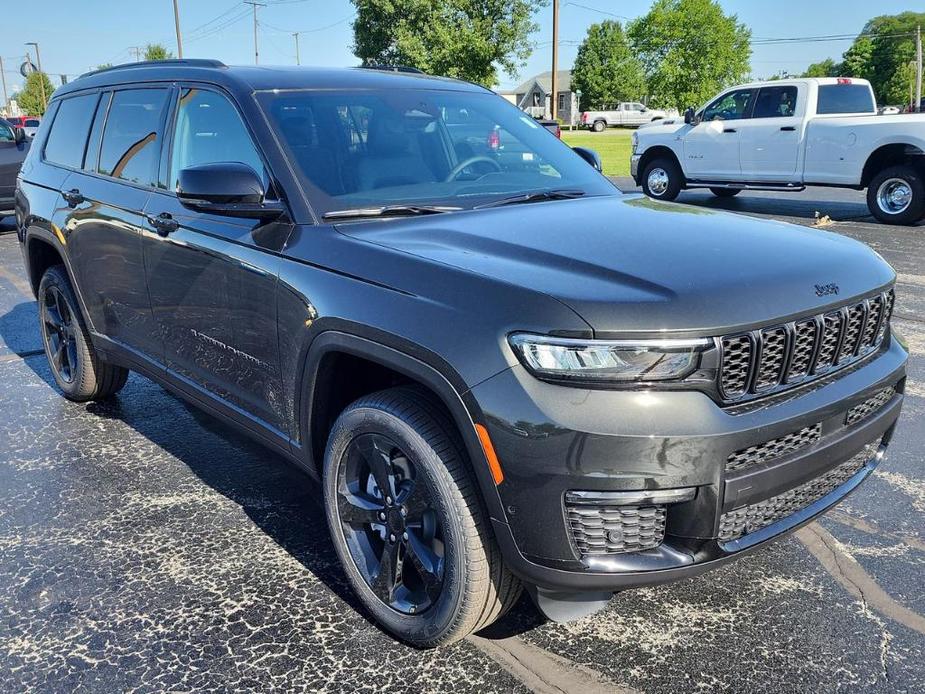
(504, 373)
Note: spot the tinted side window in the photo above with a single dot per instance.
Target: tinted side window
(130, 143)
(68, 136)
(92, 158)
(6, 133)
(775, 102)
(845, 98)
(731, 106)
(209, 130)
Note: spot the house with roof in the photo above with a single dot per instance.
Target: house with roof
(535, 96)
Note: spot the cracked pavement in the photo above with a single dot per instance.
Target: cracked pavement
(144, 547)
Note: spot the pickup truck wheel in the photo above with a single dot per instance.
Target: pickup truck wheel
(598, 126)
(407, 521)
(78, 370)
(897, 195)
(725, 192)
(661, 179)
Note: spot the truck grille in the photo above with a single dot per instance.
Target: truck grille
(749, 519)
(775, 448)
(869, 406)
(781, 356)
(615, 529)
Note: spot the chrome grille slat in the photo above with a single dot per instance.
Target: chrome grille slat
(769, 359)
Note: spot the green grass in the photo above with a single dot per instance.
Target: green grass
(613, 145)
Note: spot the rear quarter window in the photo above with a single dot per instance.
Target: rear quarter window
(68, 136)
(845, 98)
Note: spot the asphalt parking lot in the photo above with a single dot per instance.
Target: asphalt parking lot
(144, 546)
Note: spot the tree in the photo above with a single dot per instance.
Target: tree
(856, 60)
(605, 69)
(469, 39)
(882, 54)
(30, 98)
(824, 68)
(155, 51)
(690, 49)
(103, 66)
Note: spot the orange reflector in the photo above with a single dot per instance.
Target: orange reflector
(489, 449)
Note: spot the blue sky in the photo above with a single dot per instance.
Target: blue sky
(75, 36)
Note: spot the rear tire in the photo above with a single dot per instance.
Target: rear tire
(896, 195)
(725, 192)
(402, 438)
(79, 371)
(661, 179)
(599, 126)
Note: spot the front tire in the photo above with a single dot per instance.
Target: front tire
(896, 195)
(420, 555)
(79, 371)
(661, 179)
(725, 192)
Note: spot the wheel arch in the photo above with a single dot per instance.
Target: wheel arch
(891, 154)
(341, 366)
(660, 151)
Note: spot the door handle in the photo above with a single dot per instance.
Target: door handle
(163, 224)
(72, 197)
(788, 128)
(729, 130)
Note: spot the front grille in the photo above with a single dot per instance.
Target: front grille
(775, 448)
(749, 519)
(869, 406)
(781, 356)
(615, 529)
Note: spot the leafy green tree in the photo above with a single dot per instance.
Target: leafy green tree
(606, 70)
(856, 60)
(468, 39)
(30, 98)
(103, 66)
(690, 49)
(824, 68)
(155, 51)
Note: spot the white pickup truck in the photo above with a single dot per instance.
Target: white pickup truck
(626, 113)
(786, 135)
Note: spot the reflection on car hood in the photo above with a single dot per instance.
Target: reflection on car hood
(630, 264)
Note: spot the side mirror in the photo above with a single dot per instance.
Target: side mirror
(19, 135)
(226, 188)
(690, 117)
(590, 156)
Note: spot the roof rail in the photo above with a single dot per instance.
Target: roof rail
(190, 62)
(393, 68)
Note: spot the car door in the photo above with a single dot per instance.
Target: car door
(771, 140)
(105, 195)
(12, 154)
(212, 278)
(634, 114)
(711, 147)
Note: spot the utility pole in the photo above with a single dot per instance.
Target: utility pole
(295, 35)
(137, 51)
(918, 69)
(38, 59)
(176, 21)
(554, 97)
(6, 99)
(255, 4)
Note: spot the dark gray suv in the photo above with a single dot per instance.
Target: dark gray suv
(503, 372)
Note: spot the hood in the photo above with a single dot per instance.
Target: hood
(631, 265)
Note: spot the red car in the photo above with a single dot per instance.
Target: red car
(24, 121)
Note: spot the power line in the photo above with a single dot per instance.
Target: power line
(595, 9)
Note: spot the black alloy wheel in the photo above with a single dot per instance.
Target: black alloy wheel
(59, 332)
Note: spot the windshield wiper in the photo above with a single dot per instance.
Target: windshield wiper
(388, 211)
(538, 196)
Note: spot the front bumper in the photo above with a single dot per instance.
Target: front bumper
(552, 439)
(634, 166)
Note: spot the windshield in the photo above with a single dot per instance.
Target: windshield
(363, 149)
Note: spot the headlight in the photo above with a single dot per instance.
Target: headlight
(608, 360)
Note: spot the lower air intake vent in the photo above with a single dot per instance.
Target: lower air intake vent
(749, 519)
(775, 448)
(869, 406)
(615, 529)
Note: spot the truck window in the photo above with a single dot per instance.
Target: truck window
(731, 106)
(845, 98)
(68, 136)
(775, 102)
